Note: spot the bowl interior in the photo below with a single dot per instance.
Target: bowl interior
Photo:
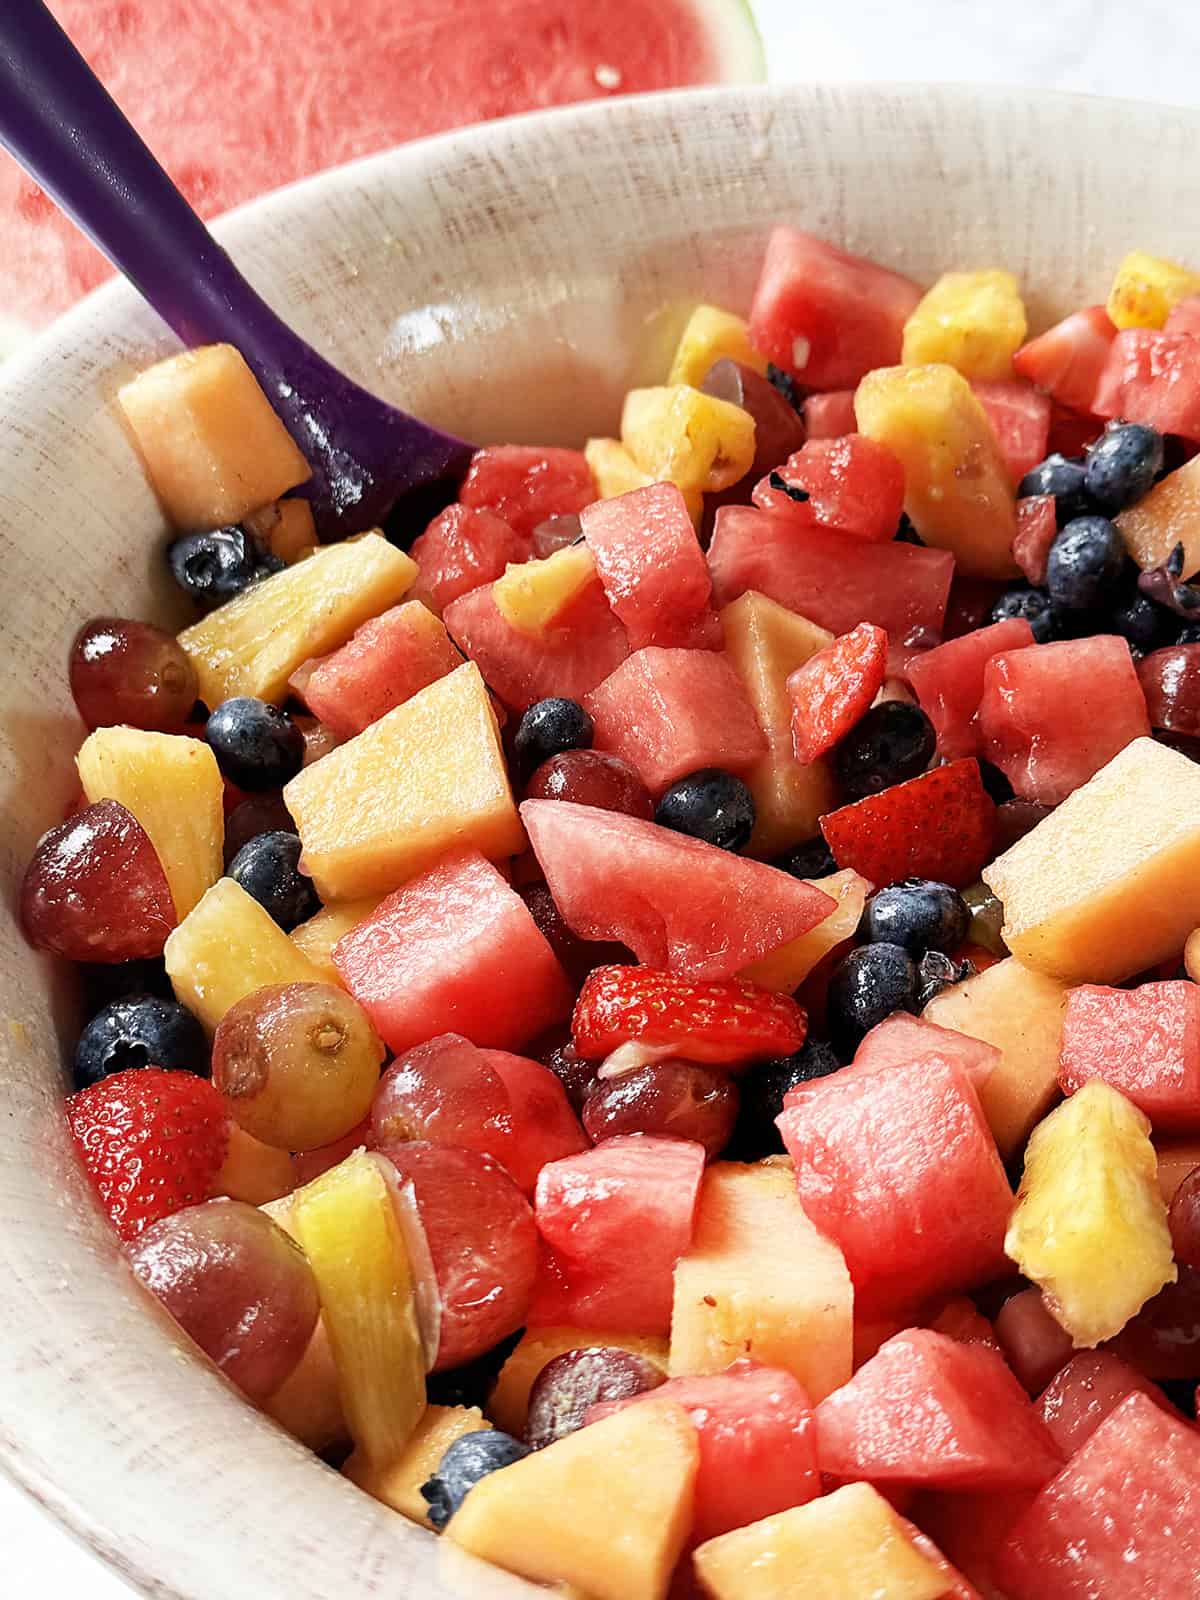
(510, 283)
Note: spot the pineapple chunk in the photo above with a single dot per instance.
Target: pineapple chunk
(1146, 287)
(253, 1171)
(1021, 1012)
(317, 937)
(533, 595)
(212, 445)
(848, 1545)
(509, 1402)
(1109, 883)
(345, 1223)
(226, 948)
(615, 472)
(1090, 1226)
(1167, 516)
(692, 439)
(426, 778)
(766, 642)
(286, 528)
(172, 785)
(758, 1280)
(398, 1483)
(957, 488)
(711, 335)
(974, 321)
(785, 969)
(606, 1508)
(253, 644)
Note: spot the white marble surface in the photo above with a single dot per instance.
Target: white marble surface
(1066, 44)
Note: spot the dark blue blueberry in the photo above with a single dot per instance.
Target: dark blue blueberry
(103, 983)
(1122, 466)
(710, 804)
(812, 859)
(267, 867)
(1085, 565)
(893, 742)
(257, 746)
(548, 728)
(994, 781)
(1030, 605)
(865, 987)
(1145, 625)
(143, 1030)
(1064, 477)
(935, 972)
(906, 533)
(472, 1383)
(762, 1090)
(787, 386)
(214, 567)
(469, 1459)
(918, 913)
(1188, 634)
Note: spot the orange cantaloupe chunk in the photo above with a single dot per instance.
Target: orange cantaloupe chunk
(398, 1483)
(254, 1172)
(1167, 516)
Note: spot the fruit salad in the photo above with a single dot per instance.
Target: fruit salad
(654, 1020)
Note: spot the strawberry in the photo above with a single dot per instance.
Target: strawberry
(940, 825)
(833, 689)
(852, 485)
(1037, 527)
(151, 1142)
(724, 1023)
(1067, 360)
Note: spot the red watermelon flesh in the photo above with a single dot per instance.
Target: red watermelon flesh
(1037, 529)
(1035, 1345)
(676, 902)
(1087, 1390)
(902, 1038)
(832, 690)
(652, 567)
(525, 484)
(1067, 360)
(948, 681)
(960, 1318)
(928, 1410)
(1119, 1522)
(1153, 378)
(829, 416)
(940, 825)
(1020, 419)
(1145, 1042)
(544, 1128)
(462, 549)
(854, 486)
(1184, 316)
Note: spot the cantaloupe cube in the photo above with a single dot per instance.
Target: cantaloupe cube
(533, 595)
(427, 778)
(509, 1400)
(1167, 516)
(172, 785)
(711, 335)
(973, 321)
(1176, 1158)
(212, 445)
(309, 1405)
(693, 439)
(398, 1483)
(1146, 287)
(253, 644)
(766, 643)
(227, 947)
(253, 1171)
(760, 1281)
(317, 937)
(1191, 955)
(606, 1508)
(957, 488)
(1109, 883)
(287, 528)
(616, 472)
(785, 969)
(1020, 1011)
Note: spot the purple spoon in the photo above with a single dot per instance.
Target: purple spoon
(68, 133)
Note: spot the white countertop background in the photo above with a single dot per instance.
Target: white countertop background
(1148, 53)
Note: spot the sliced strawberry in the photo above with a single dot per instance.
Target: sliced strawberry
(726, 1023)
(834, 688)
(940, 825)
(152, 1142)
(1037, 527)
(850, 485)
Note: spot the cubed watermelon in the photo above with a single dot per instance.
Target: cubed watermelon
(670, 712)
(1067, 360)
(829, 416)
(1052, 715)
(454, 950)
(1087, 1390)
(961, 1319)
(853, 485)
(900, 1169)
(544, 1127)
(948, 681)
(460, 550)
(1020, 419)
(675, 901)
(1144, 1042)
(940, 825)
(902, 1038)
(1035, 1345)
(525, 484)
(931, 1411)
(834, 688)
(1037, 529)
(1154, 378)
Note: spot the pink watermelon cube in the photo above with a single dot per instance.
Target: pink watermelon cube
(670, 712)
(853, 484)
(1052, 715)
(899, 1168)
(1020, 419)
(454, 950)
(928, 1410)
(1034, 1344)
(652, 568)
(948, 681)
(1037, 529)
(676, 902)
(829, 416)
(1154, 378)
(835, 581)
(1144, 1042)
(902, 1038)
(544, 1127)
(1067, 360)
(1184, 316)
(461, 549)
(526, 484)
(1087, 1390)
(1119, 1522)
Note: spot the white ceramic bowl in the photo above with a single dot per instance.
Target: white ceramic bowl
(509, 282)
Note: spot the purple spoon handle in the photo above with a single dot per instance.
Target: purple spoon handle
(65, 129)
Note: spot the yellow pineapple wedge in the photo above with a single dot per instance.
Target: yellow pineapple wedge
(253, 1171)
(606, 1509)
(1167, 516)
(212, 446)
(398, 1483)
(615, 472)
(1021, 1012)
(253, 644)
(172, 785)
(533, 595)
(346, 1225)
(957, 489)
(758, 1280)
(694, 439)
(973, 321)
(426, 778)
(1090, 1226)
(785, 969)
(226, 948)
(848, 1545)
(317, 937)
(509, 1401)
(1146, 287)
(1109, 883)
(712, 335)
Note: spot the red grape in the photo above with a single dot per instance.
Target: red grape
(577, 955)
(778, 429)
(310, 1164)
(1014, 819)
(591, 778)
(679, 1098)
(318, 739)
(1163, 1340)
(555, 534)
(131, 672)
(568, 1386)
(444, 1092)
(578, 1076)
(257, 813)
(1185, 1220)
(1170, 680)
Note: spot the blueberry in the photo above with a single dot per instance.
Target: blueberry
(469, 1459)
(1065, 478)
(267, 867)
(257, 746)
(786, 385)
(1033, 606)
(812, 859)
(1188, 634)
(214, 567)
(893, 742)
(865, 987)
(994, 781)
(762, 1090)
(1085, 564)
(548, 728)
(936, 972)
(472, 1383)
(1122, 466)
(918, 913)
(710, 804)
(1145, 625)
(143, 1030)
(906, 533)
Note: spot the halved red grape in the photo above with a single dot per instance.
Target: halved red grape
(444, 1092)
(578, 1076)
(1184, 1219)
(257, 813)
(1170, 681)
(555, 534)
(131, 672)
(680, 1098)
(95, 889)
(1163, 1340)
(592, 778)
(318, 739)
(569, 1385)
(778, 428)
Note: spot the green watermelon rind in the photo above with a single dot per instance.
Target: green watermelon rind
(737, 42)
